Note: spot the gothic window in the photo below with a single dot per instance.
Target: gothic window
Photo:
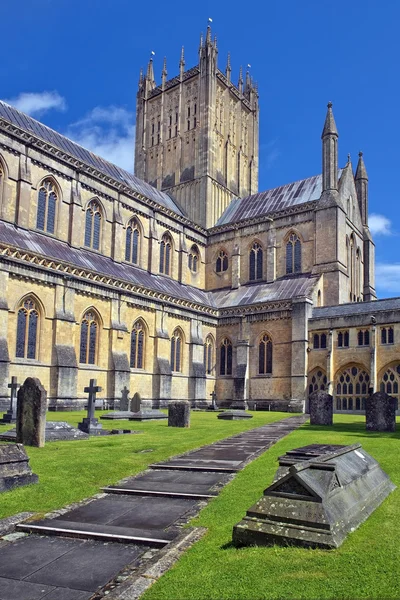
(93, 225)
(390, 381)
(387, 335)
(293, 254)
(209, 355)
(88, 342)
(343, 339)
(222, 262)
(165, 254)
(226, 357)
(137, 345)
(132, 242)
(194, 259)
(317, 380)
(27, 330)
(256, 262)
(46, 210)
(176, 351)
(265, 355)
(363, 337)
(319, 341)
(351, 388)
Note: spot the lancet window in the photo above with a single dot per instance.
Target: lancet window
(132, 242)
(165, 254)
(93, 225)
(176, 351)
(209, 355)
(137, 345)
(293, 254)
(225, 367)
(193, 259)
(265, 355)
(256, 262)
(46, 209)
(27, 329)
(222, 262)
(89, 339)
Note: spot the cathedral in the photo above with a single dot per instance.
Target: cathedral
(184, 279)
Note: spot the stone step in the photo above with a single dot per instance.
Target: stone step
(159, 489)
(106, 533)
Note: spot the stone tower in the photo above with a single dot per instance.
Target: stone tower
(197, 135)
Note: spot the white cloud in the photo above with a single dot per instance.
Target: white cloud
(108, 132)
(379, 225)
(37, 104)
(387, 277)
(269, 154)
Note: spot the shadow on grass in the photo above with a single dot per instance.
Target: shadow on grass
(352, 429)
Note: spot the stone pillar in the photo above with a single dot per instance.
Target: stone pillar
(120, 372)
(76, 215)
(197, 373)
(236, 267)
(241, 375)
(118, 241)
(330, 362)
(373, 358)
(182, 259)
(154, 249)
(4, 352)
(271, 253)
(162, 378)
(31, 413)
(301, 312)
(24, 190)
(179, 414)
(321, 408)
(380, 412)
(6, 201)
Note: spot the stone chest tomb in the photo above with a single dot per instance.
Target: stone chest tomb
(319, 495)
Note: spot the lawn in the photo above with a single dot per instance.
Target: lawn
(365, 566)
(74, 470)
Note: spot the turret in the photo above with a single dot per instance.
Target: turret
(182, 63)
(228, 70)
(149, 81)
(164, 73)
(329, 152)
(361, 181)
(240, 81)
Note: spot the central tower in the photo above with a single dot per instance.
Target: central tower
(197, 135)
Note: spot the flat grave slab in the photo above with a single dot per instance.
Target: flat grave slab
(148, 415)
(316, 502)
(119, 415)
(234, 415)
(55, 431)
(11, 589)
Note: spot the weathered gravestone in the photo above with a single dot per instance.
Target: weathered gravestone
(380, 412)
(321, 408)
(14, 467)
(124, 402)
(124, 411)
(90, 424)
(320, 494)
(11, 415)
(179, 414)
(213, 406)
(31, 413)
(136, 403)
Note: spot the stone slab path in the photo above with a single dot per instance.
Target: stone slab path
(74, 555)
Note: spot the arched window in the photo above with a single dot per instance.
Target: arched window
(387, 335)
(343, 339)
(194, 259)
(46, 210)
(225, 367)
(256, 262)
(88, 343)
(265, 355)
(293, 254)
(137, 345)
(363, 337)
(176, 351)
(165, 254)
(93, 225)
(390, 381)
(351, 388)
(132, 242)
(27, 330)
(209, 355)
(317, 380)
(221, 264)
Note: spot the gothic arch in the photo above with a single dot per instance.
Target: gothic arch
(133, 240)
(49, 199)
(317, 380)
(36, 299)
(351, 386)
(177, 348)
(221, 260)
(389, 379)
(90, 326)
(265, 348)
(194, 258)
(167, 249)
(29, 327)
(209, 354)
(138, 343)
(94, 224)
(255, 252)
(293, 244)
(225, 357)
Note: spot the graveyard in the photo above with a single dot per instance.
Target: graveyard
(72, 470)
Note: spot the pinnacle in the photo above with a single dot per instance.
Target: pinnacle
(330, 125)
(361, 172)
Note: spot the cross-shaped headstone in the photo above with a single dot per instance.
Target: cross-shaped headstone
(13, 386)
(124, 402)
(213, 399)
(92, 390)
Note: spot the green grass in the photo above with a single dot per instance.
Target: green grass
(74, 470)
(365, 566)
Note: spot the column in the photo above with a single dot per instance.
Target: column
(197, 373)
(4, 353)
(301, 312)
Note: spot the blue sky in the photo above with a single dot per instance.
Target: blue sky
(75, 64)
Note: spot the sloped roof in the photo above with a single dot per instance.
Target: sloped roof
(20, 119)
(285, 288)
(356, 308)
(52, 248)
(272, 201)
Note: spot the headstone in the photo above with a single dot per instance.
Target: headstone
(380, 412)
(213, 405)
(136, 402)
(318, 501)
(31, 413)
(90, 424)
(11, 415)
(321, 408)
(179, 414)
(146, 411)
(14, 467)
(234, 415)
(124, 403)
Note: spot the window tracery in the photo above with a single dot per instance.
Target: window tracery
(88, 341)
(221, 264)
(209, 354)
(351, 388)
(265, 355)
(165, 254)
(176, 351)
(226, 357)
(293, 254)
(137, 345)
(132, 242)
(93, 225)
(256, 262)
(46, 209)
(27, 330)
(194, 259)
